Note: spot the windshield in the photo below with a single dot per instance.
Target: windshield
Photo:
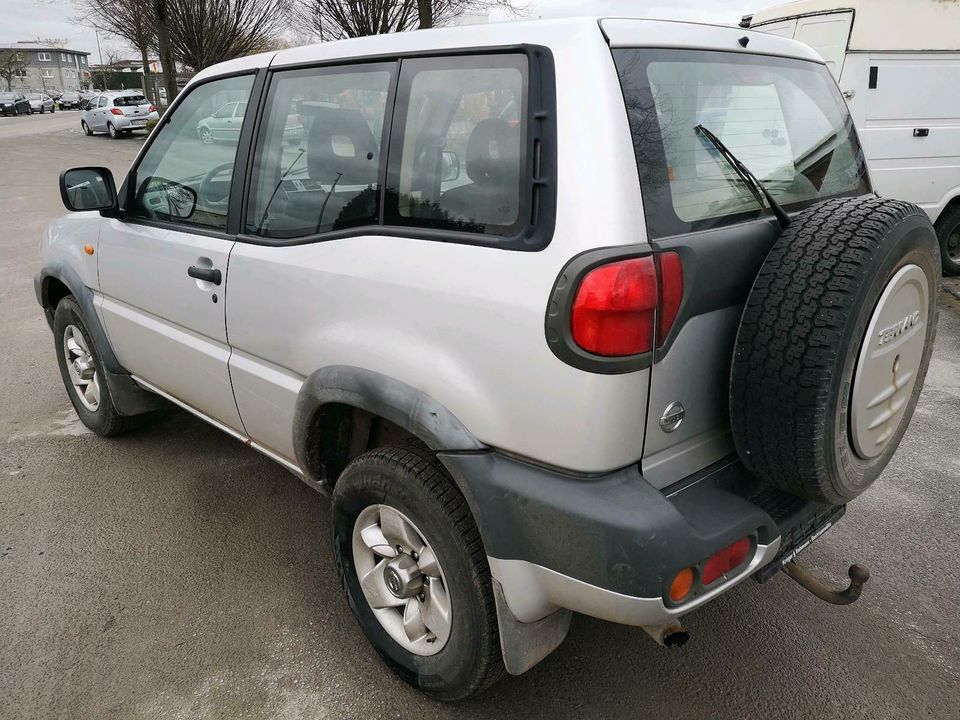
(7, 96)
(784, 119)
(129, 101)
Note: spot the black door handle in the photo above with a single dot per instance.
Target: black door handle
(211, 275)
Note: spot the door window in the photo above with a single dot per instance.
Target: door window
(225, 112)
(180, 179)
(458, 162)
(317, 164)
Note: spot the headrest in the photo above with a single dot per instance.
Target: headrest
(493, 153)
(341, 141)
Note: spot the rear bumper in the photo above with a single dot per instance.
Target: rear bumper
(609, 546)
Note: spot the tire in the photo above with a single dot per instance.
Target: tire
(412, 481)
(86, 128)
(114, 133)
(43, 110)
(807, 378)
(206, 137)
(948, 231)
(103, 419)
(53, 110)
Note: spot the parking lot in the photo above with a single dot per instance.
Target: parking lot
(175, 573)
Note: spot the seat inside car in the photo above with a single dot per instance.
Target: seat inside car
(493, 166)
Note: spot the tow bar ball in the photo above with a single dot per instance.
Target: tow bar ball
(858, 578)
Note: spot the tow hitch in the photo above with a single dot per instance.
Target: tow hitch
(858, 578)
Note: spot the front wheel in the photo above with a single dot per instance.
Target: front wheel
(86, 128)
(415, 573)
(81, 368)
(206, 137)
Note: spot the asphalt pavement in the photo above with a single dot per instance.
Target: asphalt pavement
(175, 573)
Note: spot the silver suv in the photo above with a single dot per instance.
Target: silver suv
(593, 316)
(118, 113)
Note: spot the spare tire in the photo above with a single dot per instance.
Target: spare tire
(834, 345)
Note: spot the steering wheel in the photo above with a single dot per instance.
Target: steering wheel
(208, 189)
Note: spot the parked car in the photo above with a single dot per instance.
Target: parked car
(41, 103)
(118, 113)
(14, 103)
(70, 101)
(649, 347)
(224, 124)
(898, 64)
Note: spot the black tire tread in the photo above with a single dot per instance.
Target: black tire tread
(789, 341)
(416, 459)
(950, 219)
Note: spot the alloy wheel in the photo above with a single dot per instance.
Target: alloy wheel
(401, 580)
(81, 368)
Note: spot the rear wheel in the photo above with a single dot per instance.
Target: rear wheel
(43, 109)
(948, 230)
(114, 133)
(415, 573)
(834, 345)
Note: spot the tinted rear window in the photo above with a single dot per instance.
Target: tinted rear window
(129, 101)
(784, 119)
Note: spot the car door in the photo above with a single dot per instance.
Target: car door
(100, 114)
(163, 265)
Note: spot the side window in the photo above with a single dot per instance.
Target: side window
(459, 148)
(317, 164)
(103, 102)
(225, 112)
(181, 179)
(241, 110)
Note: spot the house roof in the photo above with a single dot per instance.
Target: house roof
(43, 47)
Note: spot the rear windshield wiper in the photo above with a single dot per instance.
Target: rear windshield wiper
(757, 188)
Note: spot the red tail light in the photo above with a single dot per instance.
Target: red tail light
(153, 109)
(116, 111)
(722, 562)
(671, 293)
(616, 305)
(613, 311)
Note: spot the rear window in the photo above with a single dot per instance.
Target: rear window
(784, 119)
(129, 101)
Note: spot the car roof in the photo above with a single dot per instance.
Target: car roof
(553, 33)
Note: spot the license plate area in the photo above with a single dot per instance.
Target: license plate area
(798, 535)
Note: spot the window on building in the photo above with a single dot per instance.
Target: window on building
(63, 57)
(48, 73)
(83, 59)
(44, 57)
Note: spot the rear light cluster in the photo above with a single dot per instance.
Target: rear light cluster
(627, 307)
(153, 109)
(116, 111)
(712, 569)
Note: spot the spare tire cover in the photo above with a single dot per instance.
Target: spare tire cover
(833, 346)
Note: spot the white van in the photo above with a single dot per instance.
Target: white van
(898, 65)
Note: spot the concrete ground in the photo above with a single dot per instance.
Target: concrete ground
(174, 573)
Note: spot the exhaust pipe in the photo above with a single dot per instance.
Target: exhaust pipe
(670, 635)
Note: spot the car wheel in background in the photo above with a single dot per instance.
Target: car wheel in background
(415, 573)
(113, 131)
(86, 128)
(948, 231)
(206, 137)
(53, 109)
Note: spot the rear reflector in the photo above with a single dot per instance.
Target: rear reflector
(722, 562)
(614, 309)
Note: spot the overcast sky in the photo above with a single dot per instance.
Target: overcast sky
(30, 19)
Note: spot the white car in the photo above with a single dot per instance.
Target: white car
(648, 343)
(41, 103)
(118, 113)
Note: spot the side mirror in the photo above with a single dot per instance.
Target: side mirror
(450, 170)
(88, 188)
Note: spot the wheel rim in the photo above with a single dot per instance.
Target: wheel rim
(401, 580)
(889, 362)
(81, 368)
(113, 130)
(205, 137)
(953, 245)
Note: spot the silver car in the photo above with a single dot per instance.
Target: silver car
(41, 103)
(118, 113)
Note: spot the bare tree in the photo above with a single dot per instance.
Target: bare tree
(335, 19)
(130, 20)
(205, 32)
(12, 64)
(161, 13)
